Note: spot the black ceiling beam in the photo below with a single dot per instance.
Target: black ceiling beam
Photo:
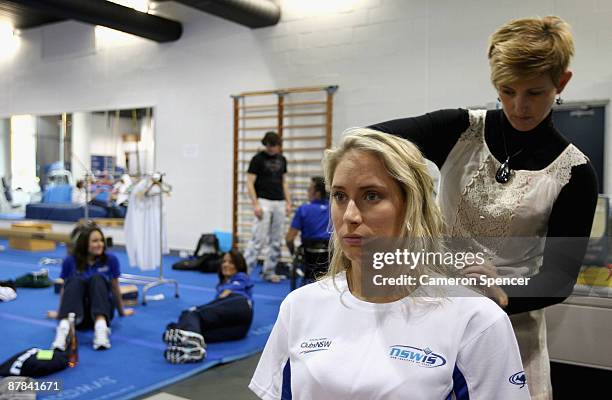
(23, 17)
(251, 13)
(111, 15)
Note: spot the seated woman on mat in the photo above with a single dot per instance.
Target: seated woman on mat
(91, 289)
(391, 342)
(228, 317)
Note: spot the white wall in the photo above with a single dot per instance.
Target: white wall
(5, 148)
(106, 136)
(102, 134)
(23, 142)
(81, 130)
(391, 58)
(146, 145)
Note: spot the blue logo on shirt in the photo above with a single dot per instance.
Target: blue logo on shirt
(518, 379)
(312, 345)
(422, 357)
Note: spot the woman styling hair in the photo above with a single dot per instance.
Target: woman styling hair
(510, 173)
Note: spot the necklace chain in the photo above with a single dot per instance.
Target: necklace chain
(508, 157)
(505, 173)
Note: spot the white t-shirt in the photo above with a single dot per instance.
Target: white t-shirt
(340, 347)
(79, 196)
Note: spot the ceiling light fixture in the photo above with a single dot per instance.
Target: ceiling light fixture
(314, 7)
(108, 37)
(138, 5)
(9, 40)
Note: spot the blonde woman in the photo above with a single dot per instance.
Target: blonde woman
(335, 339)
(509, 173)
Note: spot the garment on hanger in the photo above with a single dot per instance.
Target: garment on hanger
(5, 207)
(142, 226)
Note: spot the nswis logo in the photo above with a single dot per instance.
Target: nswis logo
(422, 357)
(518, 379)
(312, 345)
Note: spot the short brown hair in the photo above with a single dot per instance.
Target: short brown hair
(524, 49)
(271, 138)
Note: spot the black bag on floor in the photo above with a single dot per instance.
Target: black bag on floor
(206, 258)
(36, 279)
(205, 263)
(34, 363)
(211, 262)
(187, 265)
(207, 244)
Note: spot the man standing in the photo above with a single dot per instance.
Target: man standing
(269, 194)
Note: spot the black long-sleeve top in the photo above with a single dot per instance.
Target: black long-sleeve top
(437, 133)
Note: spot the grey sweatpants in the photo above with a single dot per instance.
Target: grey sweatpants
(267, 231)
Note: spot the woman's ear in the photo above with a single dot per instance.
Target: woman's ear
(565, 78)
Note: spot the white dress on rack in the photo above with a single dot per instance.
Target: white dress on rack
(142, 227)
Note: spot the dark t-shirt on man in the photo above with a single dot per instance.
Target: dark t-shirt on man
(269, 170)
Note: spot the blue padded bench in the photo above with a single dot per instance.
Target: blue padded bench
(62, 212)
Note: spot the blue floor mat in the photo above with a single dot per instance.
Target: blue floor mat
(135, 364)
(12, 216)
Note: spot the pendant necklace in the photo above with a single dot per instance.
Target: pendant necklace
(504, 173)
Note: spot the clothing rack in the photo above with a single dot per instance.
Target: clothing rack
(148, 281)
(87, 195)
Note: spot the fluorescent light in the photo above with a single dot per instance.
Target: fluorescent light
(108, 37)
(9, 41)
(313, 7)
(138, 5)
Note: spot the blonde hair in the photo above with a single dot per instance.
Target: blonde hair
(524, 49)
(405, 164)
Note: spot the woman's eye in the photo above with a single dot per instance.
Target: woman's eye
(338, 196)
(372, 196)
(535, 93)
(507, 92)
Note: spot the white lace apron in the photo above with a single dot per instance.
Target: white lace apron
(476, 206)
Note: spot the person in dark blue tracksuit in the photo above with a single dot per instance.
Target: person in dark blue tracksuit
(227, 317)
(311, 221)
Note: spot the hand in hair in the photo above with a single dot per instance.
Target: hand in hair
(488, 270)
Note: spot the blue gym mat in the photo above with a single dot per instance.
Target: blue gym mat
(135, 364)
(12, 216)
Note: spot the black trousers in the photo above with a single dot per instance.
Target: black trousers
(113, 210)
(316, 259)
(223, 319)
(87, 298)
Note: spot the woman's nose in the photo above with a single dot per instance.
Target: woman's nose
(522, 104)
(352, 215)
